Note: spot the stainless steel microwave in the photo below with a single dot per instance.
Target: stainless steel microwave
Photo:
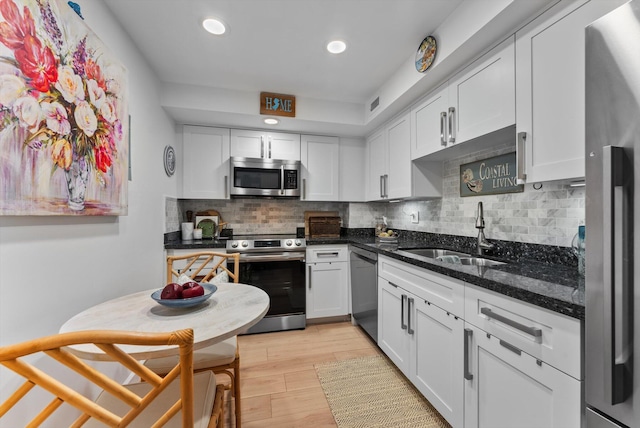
(265, 177)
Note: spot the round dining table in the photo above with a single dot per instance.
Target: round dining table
(232, 309)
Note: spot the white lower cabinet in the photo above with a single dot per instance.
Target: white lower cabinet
(505, 387)
(423, 340)
(483, 360)
(327, 281)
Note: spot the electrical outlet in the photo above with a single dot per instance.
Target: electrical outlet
(414, 217)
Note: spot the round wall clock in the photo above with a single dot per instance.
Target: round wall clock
(426, 54)
(169, 160)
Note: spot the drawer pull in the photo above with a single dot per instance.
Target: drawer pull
(332, 254)
(535, 332)
(510, 347)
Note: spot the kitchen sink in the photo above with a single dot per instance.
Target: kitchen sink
(434, 252)
(478, 261)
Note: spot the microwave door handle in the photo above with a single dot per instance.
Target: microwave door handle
(615, 277)
(282, 179)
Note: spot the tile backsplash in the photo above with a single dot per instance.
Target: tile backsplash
(548, 214)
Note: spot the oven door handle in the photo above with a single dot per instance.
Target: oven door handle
(273, 258)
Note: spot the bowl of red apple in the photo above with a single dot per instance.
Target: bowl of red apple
(175, 295)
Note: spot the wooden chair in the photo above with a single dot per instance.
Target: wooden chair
(154, 402)
(223, 357)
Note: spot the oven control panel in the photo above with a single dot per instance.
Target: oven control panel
(265, 245)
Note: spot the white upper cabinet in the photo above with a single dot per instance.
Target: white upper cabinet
(479, 100)
(377, 165)
(205, 165)
(398, 183)
(429, 124)
(483, 95)
(550, 95)
(320, 168)
(265, 145)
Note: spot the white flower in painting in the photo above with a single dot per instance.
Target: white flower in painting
(11, 88)
(69, 84)
(86, 118)
(96, 93)
(108, 111)
(56, 116)
(27, 110)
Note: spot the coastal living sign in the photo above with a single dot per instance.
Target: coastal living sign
(277, 104)
(490, 176)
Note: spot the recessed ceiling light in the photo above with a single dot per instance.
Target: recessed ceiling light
(336, 46)
(271, 121)
(214, 26)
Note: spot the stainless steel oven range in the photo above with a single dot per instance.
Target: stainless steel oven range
(276, 264)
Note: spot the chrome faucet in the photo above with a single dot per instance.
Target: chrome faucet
(483, 244)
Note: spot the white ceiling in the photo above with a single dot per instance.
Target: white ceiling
(280, 45)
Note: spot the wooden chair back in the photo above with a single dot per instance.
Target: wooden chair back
(204, 265)
(13, 357)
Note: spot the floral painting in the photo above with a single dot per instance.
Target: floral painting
(63, 114)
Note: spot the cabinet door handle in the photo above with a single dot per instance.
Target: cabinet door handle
(443, 126)
(304, 188)
(468, 335)
(262, 146)
(409, 309)
(402, 303)
(226, 186)
(309, 267)
(386, 185)
(510, 347)
(382, 186)
(452, 134)
(533, 331)
(521, 176)
(269, 147)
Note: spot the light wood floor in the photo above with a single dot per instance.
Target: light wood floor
(279, 384)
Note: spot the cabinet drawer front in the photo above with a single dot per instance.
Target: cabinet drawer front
(327, 254)
(546, 335)
(442, 291)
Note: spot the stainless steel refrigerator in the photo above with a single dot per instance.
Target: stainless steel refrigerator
(612, 324)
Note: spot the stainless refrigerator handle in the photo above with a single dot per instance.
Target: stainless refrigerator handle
(615, 277)
(409, 309)
(443, 126)
(535, 332)
(468, 335)
(452, 134)
(521, 175)
(403, 299)
(262, 146)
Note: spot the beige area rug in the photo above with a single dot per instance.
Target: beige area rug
(371, 392)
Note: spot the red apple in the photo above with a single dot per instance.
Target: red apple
(171, 291)
(189, 284)
(195, 291)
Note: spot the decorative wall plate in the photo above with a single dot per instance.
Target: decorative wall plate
(426, 54)
(169, 160)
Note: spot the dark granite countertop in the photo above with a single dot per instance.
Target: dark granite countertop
(195, 244)
(549, 285)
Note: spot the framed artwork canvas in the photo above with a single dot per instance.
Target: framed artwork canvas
(63, 114)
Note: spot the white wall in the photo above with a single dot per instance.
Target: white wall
(54, 267)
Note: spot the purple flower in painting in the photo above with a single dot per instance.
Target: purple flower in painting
(50, 24)
(80, 57)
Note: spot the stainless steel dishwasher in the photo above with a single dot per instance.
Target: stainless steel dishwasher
(364, 290)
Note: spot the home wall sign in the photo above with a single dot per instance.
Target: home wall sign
(277, 104)
(63, 114)
(490, 176)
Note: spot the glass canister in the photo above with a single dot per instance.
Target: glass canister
(578, 246)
